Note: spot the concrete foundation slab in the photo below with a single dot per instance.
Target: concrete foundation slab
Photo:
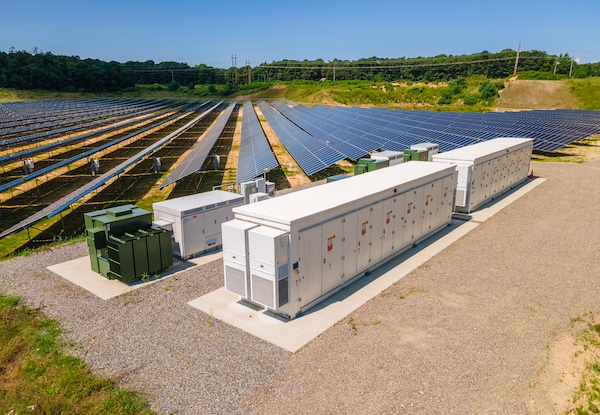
(79, 272)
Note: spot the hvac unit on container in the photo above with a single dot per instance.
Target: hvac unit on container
(290, 252)
(487, 169)
(195, 220)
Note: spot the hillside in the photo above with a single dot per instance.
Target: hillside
(514, 94)
(519, 94)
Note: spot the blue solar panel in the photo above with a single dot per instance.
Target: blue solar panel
(255, 155)
(311, 154)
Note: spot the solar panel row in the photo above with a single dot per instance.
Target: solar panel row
(255, 155)
(197, 156)
(311, 154)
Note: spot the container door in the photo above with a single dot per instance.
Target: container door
(428, 200)
(193, 236)
(389, 227)
(497, 163)
(350, 246)
(409, 214)
(446, 207)
(418, 217)
(504, 160)
(376, 228)
(332, 247)
(308, 279)
(399, 215)
(210, 223)
(364, 236)
(436, 206)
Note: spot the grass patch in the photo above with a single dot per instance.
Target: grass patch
(586, 399)
(37, 376)
(587, 92)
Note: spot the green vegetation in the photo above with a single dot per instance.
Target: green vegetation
(586, 399)
(587, 92)
(30, 70)
(36, 376)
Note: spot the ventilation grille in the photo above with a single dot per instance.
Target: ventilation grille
(282, 284)
(262, 291)
(235, 281)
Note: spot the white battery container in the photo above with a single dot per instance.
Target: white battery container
(311, 243)
(196, 220)
(487, 169)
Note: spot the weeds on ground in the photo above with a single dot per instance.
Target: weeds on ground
(586, 399)
(37, 376)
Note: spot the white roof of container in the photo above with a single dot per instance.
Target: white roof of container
(482, 149)
(387, 153)
(195, 202)
(291, 207)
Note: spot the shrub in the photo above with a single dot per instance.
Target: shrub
(471, 99)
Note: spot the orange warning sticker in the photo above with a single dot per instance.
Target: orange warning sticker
(364, 228)
(330, 243)
(388, 217)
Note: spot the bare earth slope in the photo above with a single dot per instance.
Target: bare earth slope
(535, 95)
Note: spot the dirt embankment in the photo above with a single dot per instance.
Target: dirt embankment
(535, 95)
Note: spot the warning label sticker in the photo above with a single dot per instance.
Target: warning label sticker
(330, 243)
(364, 228)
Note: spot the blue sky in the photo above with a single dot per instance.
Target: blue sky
(266, 30)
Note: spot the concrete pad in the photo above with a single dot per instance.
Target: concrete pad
(292, 335)
(495, 205)
(80, 273)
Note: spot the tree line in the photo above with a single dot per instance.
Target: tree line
(36, 70)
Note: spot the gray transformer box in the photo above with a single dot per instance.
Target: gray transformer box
(303, 247)
(488, 169)
(196, 220)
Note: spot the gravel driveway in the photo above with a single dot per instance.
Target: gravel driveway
(469, 332)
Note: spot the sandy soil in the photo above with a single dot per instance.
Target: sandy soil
(485, 327)
(234, 154)
(535, 95)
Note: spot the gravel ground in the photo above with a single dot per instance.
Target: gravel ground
(468, 332)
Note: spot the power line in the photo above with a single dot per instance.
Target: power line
(398, 66)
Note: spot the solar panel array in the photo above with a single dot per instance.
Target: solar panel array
(197, 156)
(255, 155)
(311, 154)
(64, 202)
(550, 130)
(330, 132)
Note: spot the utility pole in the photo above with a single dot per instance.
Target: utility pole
(517, 60)
(571, 70)
(233, 65)
(555, 65)
(248, 72)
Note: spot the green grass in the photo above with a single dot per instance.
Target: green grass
(586, 399)
(587, 92)
(38, 376)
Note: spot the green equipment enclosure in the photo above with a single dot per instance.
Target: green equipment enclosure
(416, 155)
(123, 245)
(365, 165)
